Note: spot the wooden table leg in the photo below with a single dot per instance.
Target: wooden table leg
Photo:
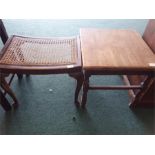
(139, 97)
(8, 90)
(85, 90)
(4, 102)
(20, 76)
(79, 79)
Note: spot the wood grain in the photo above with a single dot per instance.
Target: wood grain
(114, 50)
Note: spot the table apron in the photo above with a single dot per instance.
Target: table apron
(123, 72)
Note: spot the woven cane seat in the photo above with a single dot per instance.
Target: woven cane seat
(24, 51)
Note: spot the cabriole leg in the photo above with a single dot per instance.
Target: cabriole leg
(79, 80)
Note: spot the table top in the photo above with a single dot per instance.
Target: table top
(115, 50)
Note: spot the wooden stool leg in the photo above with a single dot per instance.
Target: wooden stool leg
(146, 85)
(4, 102)
(8, 90)
(20, 76)
(85, 91)
(79, 79)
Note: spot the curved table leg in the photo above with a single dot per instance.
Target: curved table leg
(79, 79)
(20, 76)
(8, 90)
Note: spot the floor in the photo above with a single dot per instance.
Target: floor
(46, 102)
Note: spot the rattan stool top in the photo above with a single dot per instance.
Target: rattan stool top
(31, 53)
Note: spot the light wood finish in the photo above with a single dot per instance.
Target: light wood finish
(115, 50)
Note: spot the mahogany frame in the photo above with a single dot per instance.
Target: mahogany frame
(74, 71)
